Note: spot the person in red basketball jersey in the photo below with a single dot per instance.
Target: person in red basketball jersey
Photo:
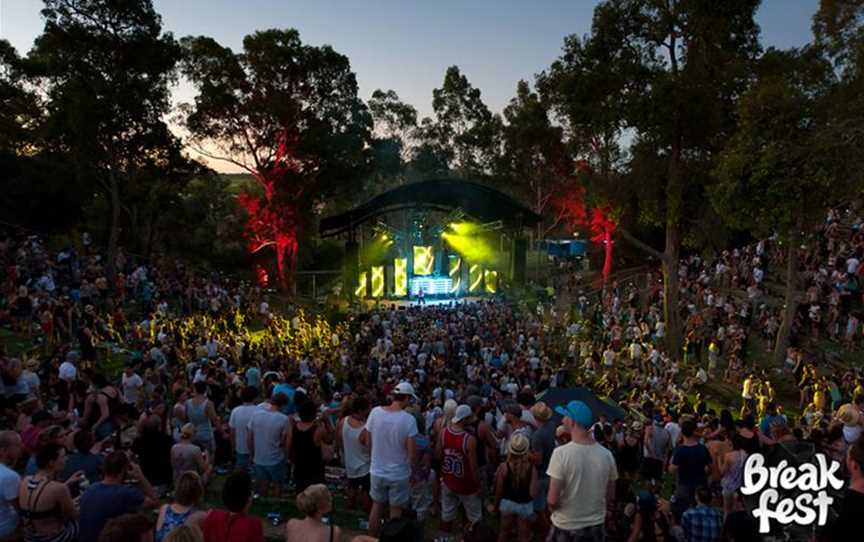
(457, 450)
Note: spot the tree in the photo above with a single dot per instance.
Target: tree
(535, 162)
(778, 173)
(287, 113)
(463, 134)
(106, 68)
(666, 74)
(395, 123)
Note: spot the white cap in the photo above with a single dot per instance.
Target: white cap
(405, 388)
(462, 412)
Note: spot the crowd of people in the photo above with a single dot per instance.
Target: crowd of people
(432, 412)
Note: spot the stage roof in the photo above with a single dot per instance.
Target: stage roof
(479, 202)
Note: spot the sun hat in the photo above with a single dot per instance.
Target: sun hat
(578, 412)
(541, 412)
(463, 412)
(518, 444)
(849, 414)
(404, 388)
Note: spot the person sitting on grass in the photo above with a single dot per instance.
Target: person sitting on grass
(188, 491)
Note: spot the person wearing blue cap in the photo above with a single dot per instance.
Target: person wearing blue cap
(582, 480)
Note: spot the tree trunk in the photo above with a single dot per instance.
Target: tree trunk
(114, 235)
(671, 290)
(791, 303)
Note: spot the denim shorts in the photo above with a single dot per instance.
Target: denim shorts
(513, 508)
(394, 492)
(271, 473)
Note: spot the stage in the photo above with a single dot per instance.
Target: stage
(401, 303)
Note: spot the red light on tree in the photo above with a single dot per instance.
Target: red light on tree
(273, 216)
(598, 220)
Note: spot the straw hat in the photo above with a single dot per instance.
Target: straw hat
(541, 412)
(849, 414)
(518, 444)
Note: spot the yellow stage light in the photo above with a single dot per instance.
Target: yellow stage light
(455, 274)
(400, 277)
(475, 277)
(378, 281)
(361, 285)
(423, 260)
(491, 280)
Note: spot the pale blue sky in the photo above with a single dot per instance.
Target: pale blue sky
(407, 45)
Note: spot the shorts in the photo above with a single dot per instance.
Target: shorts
(361, 482)
(542, 493)
(594, 533)
(271, 473)
(513, 508)
(450, 502)
(241, 461)
(393, 492)
(421, 499)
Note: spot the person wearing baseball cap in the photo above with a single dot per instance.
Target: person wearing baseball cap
(390, 431)
(582, 479)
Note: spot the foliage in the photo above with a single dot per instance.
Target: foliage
(776, 173)
(286, 112)
(108, 123)
(464, 133)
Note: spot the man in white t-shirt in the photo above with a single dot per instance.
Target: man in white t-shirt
(852, 264)
(390, 431)
(582, 480)
(238, 422)
(132, 384)
(269, 431)
(10, 450)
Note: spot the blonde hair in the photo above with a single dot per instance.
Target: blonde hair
(184, 533)
(188, 430)
(188, 488)
(313, 499)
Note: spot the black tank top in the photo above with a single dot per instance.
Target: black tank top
(520, 494)
(307, 458)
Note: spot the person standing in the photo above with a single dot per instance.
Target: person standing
(542, 446)
(10, 451)
(266, 440)
(238, 423)
(305, 443)
(132, 385)
(702, 523)
(390, 432)
(582, 481)
(201, 412)
(457, 450)
(355, 453)
(848, 523)
(691, 461)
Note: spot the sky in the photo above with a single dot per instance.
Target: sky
(407, 45)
